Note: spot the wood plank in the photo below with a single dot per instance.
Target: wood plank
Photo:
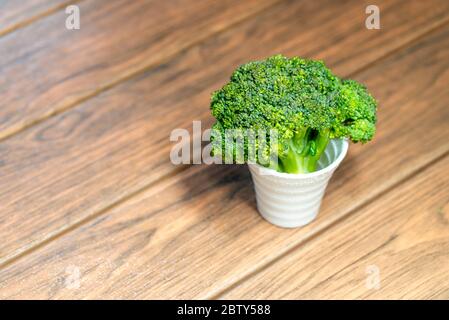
(79, 163)
(102, 150)
(14, 14)
(401, 240)
(197, 233)
(47, 68)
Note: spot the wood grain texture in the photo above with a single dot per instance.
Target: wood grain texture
(81, 162)
(403, 237)
(47, 68)
(196, 234)
(14, 14)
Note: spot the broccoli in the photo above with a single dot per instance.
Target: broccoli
(298, 99)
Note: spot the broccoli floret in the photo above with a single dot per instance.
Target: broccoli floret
(301, 101)
(355, 113)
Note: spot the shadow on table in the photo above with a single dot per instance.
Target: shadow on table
(232, 182)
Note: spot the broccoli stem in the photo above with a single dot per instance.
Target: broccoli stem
(304, 151)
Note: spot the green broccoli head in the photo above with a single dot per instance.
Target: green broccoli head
(298, 99)
(355, 113)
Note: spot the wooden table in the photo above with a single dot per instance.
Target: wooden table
(91, 206)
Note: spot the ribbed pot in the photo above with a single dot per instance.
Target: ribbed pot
(293, 200)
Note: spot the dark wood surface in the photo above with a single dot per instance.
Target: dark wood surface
(50, 69)
(85, 176)
(17, 14)
(404, 237)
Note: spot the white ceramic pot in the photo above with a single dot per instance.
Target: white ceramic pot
(293, 200)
